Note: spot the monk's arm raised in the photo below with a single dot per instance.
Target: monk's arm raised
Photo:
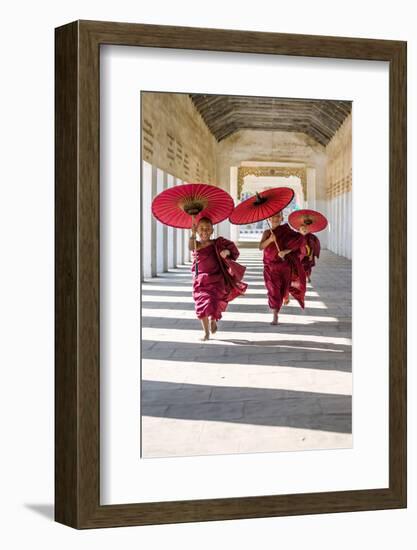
(266, 239)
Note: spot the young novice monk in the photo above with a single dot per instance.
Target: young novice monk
(217, 279)
(294, 288)
(283, 268)
(312, 250)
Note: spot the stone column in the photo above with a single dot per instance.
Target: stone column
(311, 188)
(160, 228)
(165, 230)
(185, 236)
(171, 232)
(153, 224)
(234, 229)
(146, 225)
(349, 224)
(179, 238)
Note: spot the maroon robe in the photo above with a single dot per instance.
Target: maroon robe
(219, 280)
(313, 252)
(284, 276)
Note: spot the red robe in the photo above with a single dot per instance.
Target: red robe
(219, 280)
(312, 252)
(286, 275)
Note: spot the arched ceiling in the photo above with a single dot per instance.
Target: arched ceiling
(224, 115)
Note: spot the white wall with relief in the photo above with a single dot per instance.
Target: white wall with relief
(339, 190)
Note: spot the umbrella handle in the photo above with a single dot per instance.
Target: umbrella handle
(270, 228)
(195, 250)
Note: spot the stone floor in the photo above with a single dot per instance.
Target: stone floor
(254, 387)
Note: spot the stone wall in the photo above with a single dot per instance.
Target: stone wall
(339, 190)
(176, 139)
(339, 161)
(268, 146)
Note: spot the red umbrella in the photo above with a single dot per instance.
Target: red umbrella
(182, 205)
(311, 219)
(262, 206)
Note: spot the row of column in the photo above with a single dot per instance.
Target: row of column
(339, 234)
(163, 247)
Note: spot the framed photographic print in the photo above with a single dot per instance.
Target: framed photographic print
(230, 274)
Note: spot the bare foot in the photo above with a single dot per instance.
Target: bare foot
(213, 326)
(205, 337)
(274, 319)
(286, 301)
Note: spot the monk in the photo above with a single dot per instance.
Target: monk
(312, 250)
(283, 271)
(217, 278)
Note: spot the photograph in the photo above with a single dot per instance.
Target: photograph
(246, 267)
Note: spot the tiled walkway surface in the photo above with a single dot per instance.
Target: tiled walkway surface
(254, 387)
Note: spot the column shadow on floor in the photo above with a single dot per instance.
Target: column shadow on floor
(243, 405)
(339, 328)
(237, 307)
(288, 353)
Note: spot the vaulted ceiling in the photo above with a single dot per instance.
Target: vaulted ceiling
(225, 115)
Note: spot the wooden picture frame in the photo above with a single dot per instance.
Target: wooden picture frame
(77, 382)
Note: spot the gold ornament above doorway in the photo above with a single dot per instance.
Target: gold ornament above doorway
(271, 171)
